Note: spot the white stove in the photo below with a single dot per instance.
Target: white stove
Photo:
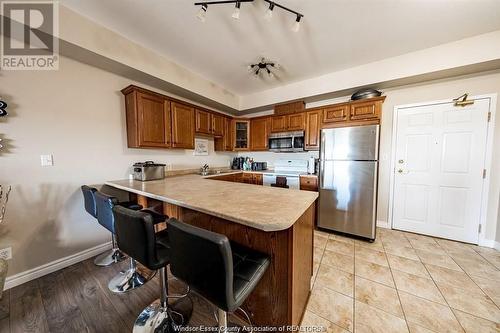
(289, 169)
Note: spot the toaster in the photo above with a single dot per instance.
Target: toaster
(148, 170)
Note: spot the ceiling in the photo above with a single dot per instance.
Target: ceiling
(334, 35)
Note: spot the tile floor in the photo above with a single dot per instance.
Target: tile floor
(403, 282)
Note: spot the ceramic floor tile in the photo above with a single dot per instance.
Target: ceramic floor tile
(321, 233)
(405, 252)
(374, 272)
(340, 247)
(376, 245)
(471, 302)
(335, 279)
(378, 295)
(407, 265)
(333, 306)
(370, 319)
(395, 242)
(414, 328)
(438, 260)
(473, 324)
(342, 238)
(492, 258)
(490, 287)
(450, 277)
(430, 315)
(314, 323)
(418, 286)
(317, 254)
(374, 256)
(339, 260)
(480, 268)
(320, 241)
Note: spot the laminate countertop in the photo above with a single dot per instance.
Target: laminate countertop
(261, 207)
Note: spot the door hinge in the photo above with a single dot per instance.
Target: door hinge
(484, 173)
(489, 116)
(479, 229)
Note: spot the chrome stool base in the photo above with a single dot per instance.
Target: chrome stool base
(130, 279)
(109, 257)
(157, 318)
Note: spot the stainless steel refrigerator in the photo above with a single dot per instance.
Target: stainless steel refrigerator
(348, 172)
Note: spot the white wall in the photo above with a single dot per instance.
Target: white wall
(77, 114)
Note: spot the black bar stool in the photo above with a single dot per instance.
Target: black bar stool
(136, 236)
(114, 255)
(221, 271)
(131, 278)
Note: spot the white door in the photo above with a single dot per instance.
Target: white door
(439, 162)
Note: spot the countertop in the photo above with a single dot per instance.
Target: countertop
(261, 207)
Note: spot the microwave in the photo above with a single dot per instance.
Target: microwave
(286, 141)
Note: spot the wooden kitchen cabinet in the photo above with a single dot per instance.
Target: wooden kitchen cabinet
(203, 122)
(183, 125)
(309, 183)
(259, 133)
(365, 110)
(218, 123)
(296, 122)
(258, 179)
(335, 113)
(241, 134)
(313, 128)
(278, 123)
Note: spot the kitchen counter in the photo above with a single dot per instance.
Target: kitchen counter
(275, 221)
(261, 207)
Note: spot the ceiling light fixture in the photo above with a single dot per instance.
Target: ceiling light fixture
(264, 66)
(236, 13)
(202, 13)
(296, 25)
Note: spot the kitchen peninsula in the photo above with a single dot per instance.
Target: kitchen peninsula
(275, 221)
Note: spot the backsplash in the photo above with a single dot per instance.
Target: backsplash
(270, 157)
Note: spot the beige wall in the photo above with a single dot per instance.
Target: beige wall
(76, 114)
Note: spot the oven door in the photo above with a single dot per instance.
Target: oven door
(278, 143)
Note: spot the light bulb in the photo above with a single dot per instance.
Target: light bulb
(296, 25)
(236, 13)
(202, 13)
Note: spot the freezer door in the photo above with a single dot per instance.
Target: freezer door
(348, 197)
(350, 143)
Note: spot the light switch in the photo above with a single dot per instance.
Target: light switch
(46, 160)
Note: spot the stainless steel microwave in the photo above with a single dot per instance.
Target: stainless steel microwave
(286, 141)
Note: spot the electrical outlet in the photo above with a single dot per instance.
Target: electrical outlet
(6, 253)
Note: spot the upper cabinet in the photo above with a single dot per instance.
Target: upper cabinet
(335, 113)
(289, 122)
(242, 134)
(313, 126)
(182, 125)
(359, 112)
(365, 110)
(203, 122)
(218, 123)
(259, 133)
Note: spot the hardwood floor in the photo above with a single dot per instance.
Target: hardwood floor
(77, 299)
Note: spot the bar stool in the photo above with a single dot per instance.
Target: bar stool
(136, 236)
(114, 255)
(132, 278)
(221, 271)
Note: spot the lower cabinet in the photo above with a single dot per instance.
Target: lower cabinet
(242, 177)
(309, 183)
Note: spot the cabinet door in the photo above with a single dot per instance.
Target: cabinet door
(296, 122)
(278, 123)
(313, 124)
(182, 126)
(368, 110)
(203, 122)
(241, 134)
(258, 179)
(153, 121)
(247, 178)
(218, 123)
(228, 134)
(335, 113)
(309, 183)
(259, 132)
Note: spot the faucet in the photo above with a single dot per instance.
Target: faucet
(204, 170)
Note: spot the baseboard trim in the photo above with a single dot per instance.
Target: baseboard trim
(34, 273)
(486, 243)
(497, 246)
(383, 224)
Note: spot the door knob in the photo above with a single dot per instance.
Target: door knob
(401, 161)
(400, 170)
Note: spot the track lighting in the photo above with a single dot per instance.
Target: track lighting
(269, 13)
(236, 13)
(202, 13)
(296, 25)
